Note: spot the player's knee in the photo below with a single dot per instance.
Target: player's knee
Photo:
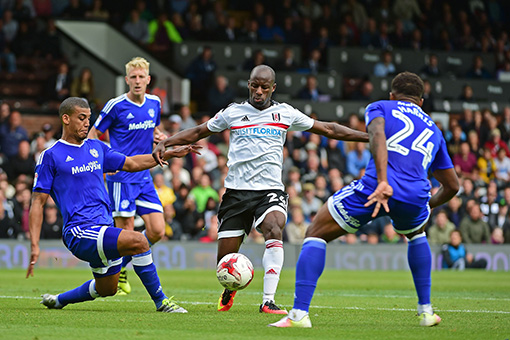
(140, 244)
(107, 290)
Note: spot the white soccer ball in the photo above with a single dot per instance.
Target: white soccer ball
(234, 271)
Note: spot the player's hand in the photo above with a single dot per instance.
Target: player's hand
(158, 137)
(182, 151)
(158, 153)
(380, 196)
(33, 260)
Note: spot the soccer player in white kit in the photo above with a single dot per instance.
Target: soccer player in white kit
(255, 194)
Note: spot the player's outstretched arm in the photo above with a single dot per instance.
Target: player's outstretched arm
(143, 162)
(94, 133)
(384, 191)
(35, 225)
(188, 136)
(449, 186)
(337, 131)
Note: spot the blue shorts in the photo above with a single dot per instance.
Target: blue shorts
(347, 207)
(129, 199)
(97, 246)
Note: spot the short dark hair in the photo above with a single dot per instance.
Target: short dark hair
(68, 105)
(407, 84)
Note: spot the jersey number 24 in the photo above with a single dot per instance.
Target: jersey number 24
(418, 143)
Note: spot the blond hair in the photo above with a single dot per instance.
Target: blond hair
(137, 62)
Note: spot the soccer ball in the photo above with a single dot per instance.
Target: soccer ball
(234, 271)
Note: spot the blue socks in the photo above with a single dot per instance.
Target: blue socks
(85, 292)
(146, 271)
(420, 262)
(309, 268)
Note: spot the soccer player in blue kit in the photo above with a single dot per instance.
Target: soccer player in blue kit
(71, 171)
(133, 123)
(406, 145)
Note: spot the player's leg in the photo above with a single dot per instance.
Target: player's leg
(122, 197)
(344, 213)
(272, 260)
(148, 206)
(135, 244)
(410, 221)
(270, 218)
(98, 246)
(234, 222)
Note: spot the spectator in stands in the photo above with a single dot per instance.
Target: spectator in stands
(495, 143)
(250, 32)
(465, 161)
(220, 95)
(322, 42)
(431, 68)
(502, 162)
(310, 204)
(12, 134)
(489, 205)
(83, 85)
(357, 160)
(287, 62)
(335, 155)
(310, 91)
(157, 89)
(456, 256)
(314, 63)
(467, 94)
(162, 34)
(473, 228)
(187, 119)
(454, 211)
(389, 235)
(201, 74)
(202, 192)
(10, 26)
(256, 59)
(97, 12)
(439, 232)
(313, 166)
(428, 97)
(296, 228)
(477, 70)
(74, 10)
(186, 213)
(504, 125)
(369, 37)
(228, 32)
(59, 85)
(385, 67)
(364, 91)
(21, 210)
(269, 32)
(49, 41)
(6, 53)
(23, 163)
(321, 188)
(52, 221)
(407, 11)
(8, 226)
(137, 28)
(486, 166)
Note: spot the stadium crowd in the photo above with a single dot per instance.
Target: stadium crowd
(314, 167)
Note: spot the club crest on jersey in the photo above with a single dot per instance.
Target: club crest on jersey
(151, 113)
(94, 153)
(276, 117)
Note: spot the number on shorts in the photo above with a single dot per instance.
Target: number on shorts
(273, 197)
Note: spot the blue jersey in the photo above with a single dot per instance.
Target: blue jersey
(73, 175)
(131, 127)
(415, 146)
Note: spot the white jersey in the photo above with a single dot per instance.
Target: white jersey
(255, 154)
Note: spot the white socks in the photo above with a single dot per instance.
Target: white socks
(272, 262)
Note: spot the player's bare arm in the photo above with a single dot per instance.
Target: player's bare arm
(188, 136)
(337, 131)
(379, 151)
(449, 187)
(35, 225)
(143, 162)
(94, 133)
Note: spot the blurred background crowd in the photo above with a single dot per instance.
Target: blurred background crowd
(191, 188)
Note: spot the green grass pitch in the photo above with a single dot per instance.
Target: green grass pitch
(346, 305)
